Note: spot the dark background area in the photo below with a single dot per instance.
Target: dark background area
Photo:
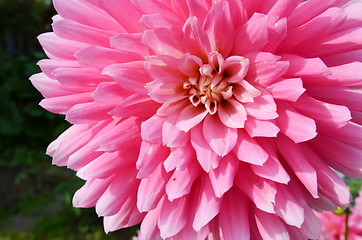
(35, 197)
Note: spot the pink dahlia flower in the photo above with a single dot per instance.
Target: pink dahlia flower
(207, 119)
(334, 226)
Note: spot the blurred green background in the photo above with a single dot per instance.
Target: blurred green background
(35, 197)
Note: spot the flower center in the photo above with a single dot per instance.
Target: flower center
(209, 87)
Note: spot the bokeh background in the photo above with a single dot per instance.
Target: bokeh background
(35, 197)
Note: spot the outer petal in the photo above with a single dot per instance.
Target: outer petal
(253, 35)
(233, 216)
(222, 178)
(208, 205)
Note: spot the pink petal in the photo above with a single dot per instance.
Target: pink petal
(160, 66)
(171, 136)
(296, 126)
(130, 76)
(189, 117)
(205, 155)
(261, 128)
(190, 65)
(112, 199)
(327, 113)
(222, 178)
(232, 114)
(101, 57)
(263, 107)
(343, 58)
(135, 106)
(329, 183)
(125, 13)
(270, 227)
(59, 48)
(272, 169)
(195, 39)
(305, 67)
(208, 205)
(155, 7)
(341, 153)
(288, 207)
(149, 158)
(306, 11)
(219, 27)
(80, 78)
(248, 150)
(124, 135)
(48, 87)
(62, 104)
(283, 8)
(220, 138)
(199, 8)
(349, 97)
(173, 217)
(151, 190)
(88, 195)
(149, 228)
(235, 67)
(278, 30)
(346, 75)
(300, 165)
(70, 29)
(287, 89)
(179, 158)
(337, 42)
(351, 133)
(87, 113)
(49, 65)
(233, 216)
(314, 30)
(165, 88)
(131, 43)
(109, 93)
(260, 191)
(80, 11)
(127, 216)
(238, 13)
(162, 41)
(180, 182)
(253, 34)
(265, 73)
(157, 20)
(105, 166)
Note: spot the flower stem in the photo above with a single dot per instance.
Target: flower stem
(346, 225)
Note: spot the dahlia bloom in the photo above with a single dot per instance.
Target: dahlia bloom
(207, 119)
(334, 226)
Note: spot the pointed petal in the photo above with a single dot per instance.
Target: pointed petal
(232, 113)
(296, 126)
(208, 205)
(248, 150)
(222, 178)
(205, 155)
(189, 117)
(233, 216)
(300, 165)
(221, 139)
